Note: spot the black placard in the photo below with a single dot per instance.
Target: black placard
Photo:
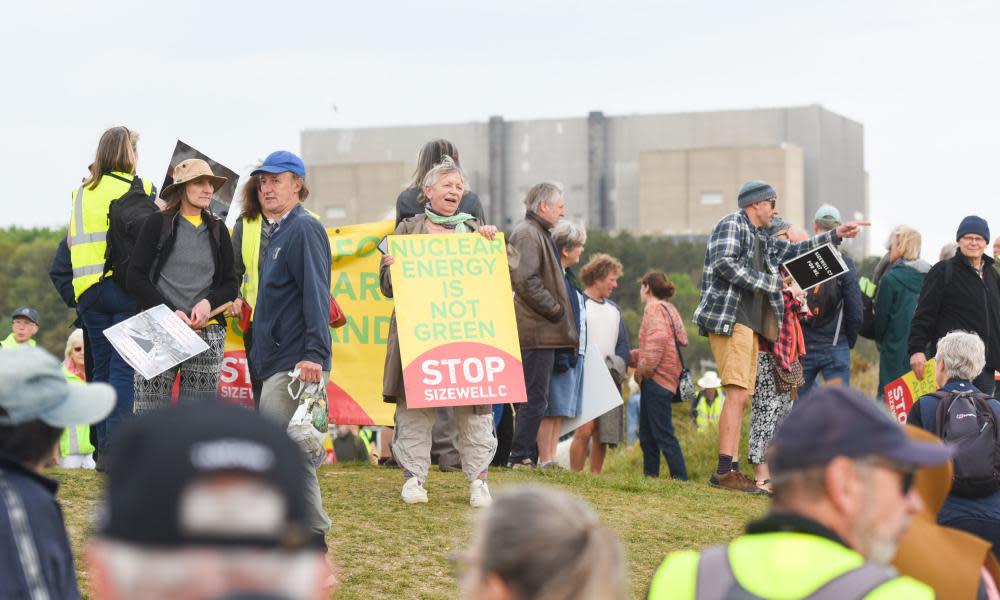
(816, 266)
(223, 197)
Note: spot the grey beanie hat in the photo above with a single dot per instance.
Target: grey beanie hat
(755, 191)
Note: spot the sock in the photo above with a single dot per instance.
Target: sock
(725, 464)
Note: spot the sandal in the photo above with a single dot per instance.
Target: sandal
(763, 484)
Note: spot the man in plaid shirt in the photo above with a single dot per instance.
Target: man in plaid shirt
(740, 300)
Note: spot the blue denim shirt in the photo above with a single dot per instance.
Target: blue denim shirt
(925, 412)
(48, 531)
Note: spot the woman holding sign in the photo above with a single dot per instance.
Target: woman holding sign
(184, 259)
(443, 187)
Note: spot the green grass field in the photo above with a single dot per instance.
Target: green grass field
(387, 549)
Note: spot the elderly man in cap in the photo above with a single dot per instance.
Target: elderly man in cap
(835, 317)
(292, 316)
(24, 326)
(742, 303)
(206, 501)
(36, 403)
(842, 472)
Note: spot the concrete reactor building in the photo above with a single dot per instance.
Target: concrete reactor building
(662, 174)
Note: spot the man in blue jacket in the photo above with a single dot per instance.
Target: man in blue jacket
(835, 317)
(292, 316)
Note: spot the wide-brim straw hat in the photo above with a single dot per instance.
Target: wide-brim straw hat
(709, 380)
(189, 170)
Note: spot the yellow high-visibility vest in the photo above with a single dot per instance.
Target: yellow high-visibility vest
(75, 439)
(88, 228)
(250, 251)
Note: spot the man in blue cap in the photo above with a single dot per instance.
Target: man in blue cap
(292, 316)
(842, 472)
(23, 326)
(36, 403)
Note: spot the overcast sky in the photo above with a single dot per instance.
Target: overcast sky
(240, 79)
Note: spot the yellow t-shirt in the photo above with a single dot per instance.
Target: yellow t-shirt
(193, 219)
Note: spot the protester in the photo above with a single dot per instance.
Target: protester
(835, 317)
(949, 250)
(707, 406)
(411, 200)
(539, 543)
(543, 311)
(841, 471)
(75, 448)
(954, 563)
(443, 186)
(292, 322)
(101, 299)
(206, 501)
(962, 293)
(607, 334)
(895, 303)
(36, 403)
(657, 364)
(741, 301)
(250, 237)
(23, 327)
(349, 446)
(778, 371)
(566, 384)
(960, 358)
(184, 260)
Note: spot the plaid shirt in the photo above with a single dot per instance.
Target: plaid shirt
(727, 271)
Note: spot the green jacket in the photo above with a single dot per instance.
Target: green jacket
(9, 342)
(779, 564)
(895, 303)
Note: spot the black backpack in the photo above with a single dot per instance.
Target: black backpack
(825, 302)
(125, 217)
(966, 421)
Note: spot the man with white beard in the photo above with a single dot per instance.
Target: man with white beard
(842, 473)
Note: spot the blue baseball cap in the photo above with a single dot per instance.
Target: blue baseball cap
(834, 421)
(27, 313)
(33, 386)
(281, 161)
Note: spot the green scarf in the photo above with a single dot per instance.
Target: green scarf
(455, 221)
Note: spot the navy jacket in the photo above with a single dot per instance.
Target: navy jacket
(850, 325)
(292, 317)
(37, 495)
(61, 274)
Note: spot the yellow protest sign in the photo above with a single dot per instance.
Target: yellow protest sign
(355, 388)
(900, 394)
(455, 316)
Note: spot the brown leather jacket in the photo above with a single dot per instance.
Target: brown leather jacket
(541, 303)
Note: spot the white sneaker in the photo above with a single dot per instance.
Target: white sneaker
(413, 492)
(479, 494)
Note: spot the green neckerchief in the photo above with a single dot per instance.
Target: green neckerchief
(455, 221)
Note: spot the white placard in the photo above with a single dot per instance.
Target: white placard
(599, 391)
(154, 341)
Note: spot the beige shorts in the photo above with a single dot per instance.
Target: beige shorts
(736, 356)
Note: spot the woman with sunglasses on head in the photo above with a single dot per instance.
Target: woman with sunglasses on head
(184, 259)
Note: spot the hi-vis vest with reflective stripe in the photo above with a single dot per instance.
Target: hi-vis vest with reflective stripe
(705, 413)
(75, 440)
(88, 228)
(250, 251)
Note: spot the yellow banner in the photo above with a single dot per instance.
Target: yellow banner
(455, 316)
(355, 389)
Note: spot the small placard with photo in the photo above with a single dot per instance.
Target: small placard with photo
(816, 266)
